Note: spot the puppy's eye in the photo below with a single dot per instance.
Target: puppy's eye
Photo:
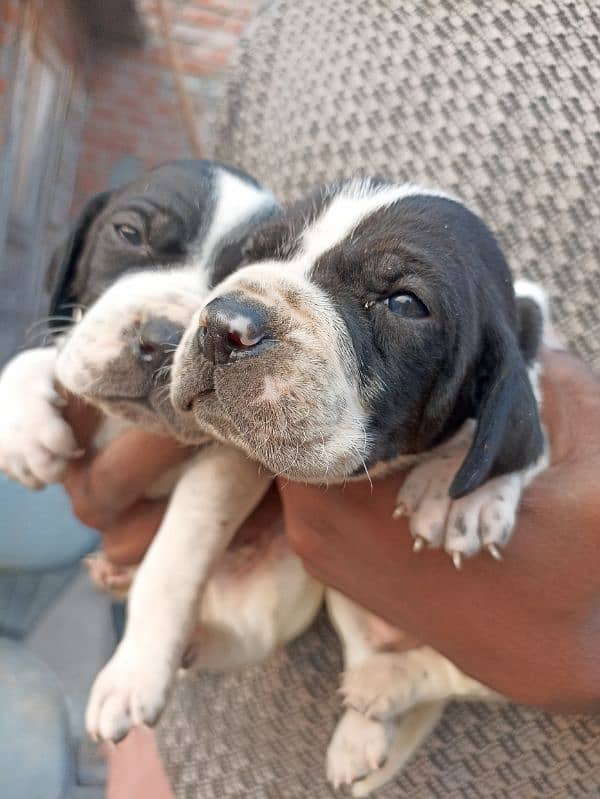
(406, 305)
(129, 234)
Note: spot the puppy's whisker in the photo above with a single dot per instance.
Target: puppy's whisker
(162, 374)
(364, 465)
(48, 319)
(43, 336)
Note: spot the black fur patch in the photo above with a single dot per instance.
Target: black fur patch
(172, 208)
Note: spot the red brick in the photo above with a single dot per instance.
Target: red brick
(10, 12)
(134, 106)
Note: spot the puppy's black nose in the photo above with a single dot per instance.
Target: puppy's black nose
(156, 341)
(231, 324)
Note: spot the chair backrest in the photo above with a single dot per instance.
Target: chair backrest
(496, 101)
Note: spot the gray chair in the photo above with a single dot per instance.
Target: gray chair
(496, 101)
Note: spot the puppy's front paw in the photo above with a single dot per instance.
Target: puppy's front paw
(484, 519)
(35, 441)
(359, 746)
(130, 690)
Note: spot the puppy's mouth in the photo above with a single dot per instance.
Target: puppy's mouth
(120, 398)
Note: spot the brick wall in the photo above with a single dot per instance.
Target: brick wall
(79, 112)
(134, 118)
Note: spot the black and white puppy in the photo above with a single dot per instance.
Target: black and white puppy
(142, 259)
(376, 328)
(176, 230)
(378, 323)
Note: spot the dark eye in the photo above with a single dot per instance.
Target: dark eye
(129, 234)
(406, 305)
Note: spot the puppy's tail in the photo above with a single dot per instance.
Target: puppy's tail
(408, 733)
(529, 293)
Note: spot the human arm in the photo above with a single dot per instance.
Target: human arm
(528, 627)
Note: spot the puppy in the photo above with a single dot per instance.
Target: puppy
(167, 222)
(376, 329)
(142, 258)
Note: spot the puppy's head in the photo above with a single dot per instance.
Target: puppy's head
(374, 321)
(139, 260)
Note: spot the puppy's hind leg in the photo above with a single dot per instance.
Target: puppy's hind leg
(367, 752)
(389, 684)
(407, 735)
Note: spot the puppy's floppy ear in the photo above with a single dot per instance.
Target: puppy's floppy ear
(508, 436)
(63, 264)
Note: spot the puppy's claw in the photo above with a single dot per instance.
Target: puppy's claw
(494, 552)
(418, 544)
(457, 560)
(399, 511)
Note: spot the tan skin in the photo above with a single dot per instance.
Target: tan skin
(528, 627)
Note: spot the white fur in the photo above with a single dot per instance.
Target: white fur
(238, 200)
(378, 689)
(35, 441)
(348, 209)
(217, 491)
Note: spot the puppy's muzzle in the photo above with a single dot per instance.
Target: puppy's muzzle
(231, 328)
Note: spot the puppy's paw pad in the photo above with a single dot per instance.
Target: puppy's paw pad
(359, 747)
(125, 695)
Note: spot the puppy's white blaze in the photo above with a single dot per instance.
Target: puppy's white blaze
(237, 201)
(240, 324)
(274, 388)
(348, 209)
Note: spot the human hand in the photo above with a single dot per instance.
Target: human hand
(107, 489)
(528, 627)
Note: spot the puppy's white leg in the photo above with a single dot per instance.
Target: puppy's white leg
(407, 735)
(212, 498)
(35, 441)
(360, 746)
(390, 683)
